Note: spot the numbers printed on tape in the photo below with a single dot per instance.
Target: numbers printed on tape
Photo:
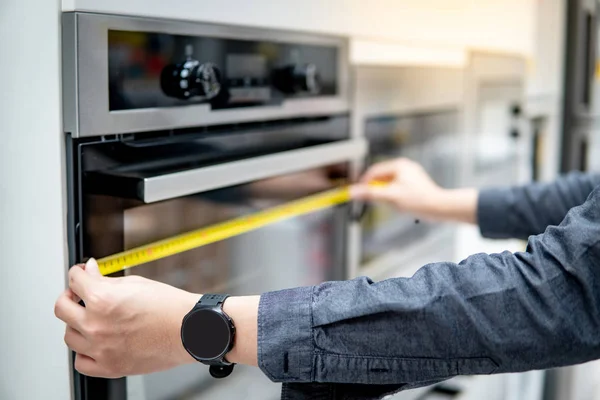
(221, 231)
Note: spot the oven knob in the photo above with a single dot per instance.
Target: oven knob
(297, 79)
(191, 79)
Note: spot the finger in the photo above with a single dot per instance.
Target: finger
(87, 366)
(372, 193)
(81, 282)
(68, 310)
(383, 171)
(92, 267)
(73, 296)
(76, 341)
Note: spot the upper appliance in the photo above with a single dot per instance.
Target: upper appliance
(127, 74)
(175, 126)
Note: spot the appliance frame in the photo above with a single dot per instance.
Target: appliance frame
(86, 86)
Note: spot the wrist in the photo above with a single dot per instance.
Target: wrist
(457, 205)
(244, 313)
(433, 206)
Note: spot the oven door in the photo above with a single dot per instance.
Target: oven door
(391, 239)
(132, 192)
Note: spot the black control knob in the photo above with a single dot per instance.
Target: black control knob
(293, 79)
(191, 79)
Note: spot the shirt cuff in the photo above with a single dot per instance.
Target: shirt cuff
(492, 213)
(285, 340)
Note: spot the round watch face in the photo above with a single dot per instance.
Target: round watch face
(205, 334)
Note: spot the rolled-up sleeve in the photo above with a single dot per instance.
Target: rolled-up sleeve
(488, 314)
(285, 335)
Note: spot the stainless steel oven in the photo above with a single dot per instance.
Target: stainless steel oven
(174, 126)
(415, 112)
(432, 139)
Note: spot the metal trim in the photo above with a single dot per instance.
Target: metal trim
(70, 109)
(86, 78)
(184, 183)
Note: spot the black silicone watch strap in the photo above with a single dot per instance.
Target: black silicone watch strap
(212, 299)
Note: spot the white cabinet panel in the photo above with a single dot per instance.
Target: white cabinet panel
(506, 25)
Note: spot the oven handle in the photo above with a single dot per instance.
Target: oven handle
(170, 186)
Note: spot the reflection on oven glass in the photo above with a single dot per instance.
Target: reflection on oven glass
(427, 138)
(303, 250)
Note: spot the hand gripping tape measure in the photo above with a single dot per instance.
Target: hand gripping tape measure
(221, 231)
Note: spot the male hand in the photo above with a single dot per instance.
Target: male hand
(129, 325)
(410, 189)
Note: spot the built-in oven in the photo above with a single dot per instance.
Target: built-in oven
(175, 126)
(414, 112)
(389, 238)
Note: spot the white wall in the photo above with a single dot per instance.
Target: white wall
(33, 357)
(506, 25)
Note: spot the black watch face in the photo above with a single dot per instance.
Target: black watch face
(205, 334)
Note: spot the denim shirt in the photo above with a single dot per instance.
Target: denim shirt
(495, 313)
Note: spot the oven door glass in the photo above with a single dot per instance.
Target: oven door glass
(430, 139)
(303, 250)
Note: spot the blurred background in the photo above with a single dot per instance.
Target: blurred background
(104, 151)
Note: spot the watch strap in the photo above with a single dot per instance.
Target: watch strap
(212, 299)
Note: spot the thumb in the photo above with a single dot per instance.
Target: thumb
(91, 266)
(372, 193)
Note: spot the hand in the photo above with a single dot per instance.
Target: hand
(410, 189)
(129, 325)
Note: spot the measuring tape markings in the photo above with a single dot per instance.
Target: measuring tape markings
(214, 233)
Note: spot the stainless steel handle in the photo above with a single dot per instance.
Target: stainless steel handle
(198, 180)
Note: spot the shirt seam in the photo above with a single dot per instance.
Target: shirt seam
(312, 335)
(369, 356)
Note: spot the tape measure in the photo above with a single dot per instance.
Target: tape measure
(221, 231)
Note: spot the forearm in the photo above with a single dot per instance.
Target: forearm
(244, 313)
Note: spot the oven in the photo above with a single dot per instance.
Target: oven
(175, 126)
(392, 240)
(415, 112)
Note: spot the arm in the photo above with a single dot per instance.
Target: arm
(489, 314)
(516, 212)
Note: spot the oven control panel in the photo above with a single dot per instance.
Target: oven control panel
(125, 74)
(149, 70)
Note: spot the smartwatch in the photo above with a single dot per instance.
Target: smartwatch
(207, 334)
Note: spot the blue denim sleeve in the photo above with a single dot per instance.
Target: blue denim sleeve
(493, 313)
(519, 212)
